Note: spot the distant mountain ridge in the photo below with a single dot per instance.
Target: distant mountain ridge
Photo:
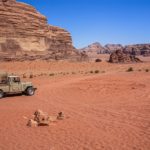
(135, 49)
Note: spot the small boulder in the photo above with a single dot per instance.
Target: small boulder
(60, 116)
(52, 118)
(32, 123)
(41, 118)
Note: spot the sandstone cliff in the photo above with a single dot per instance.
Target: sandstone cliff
(23, 29)
(138, 49)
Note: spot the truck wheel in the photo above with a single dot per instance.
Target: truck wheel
(1, 94)
(30, 91)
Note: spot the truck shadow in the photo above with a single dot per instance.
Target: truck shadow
(14, 95)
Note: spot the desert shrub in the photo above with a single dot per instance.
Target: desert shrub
(146, 70)
(98, 60)
(51, 74)
(96, 71)
(31, 76)
(91, 71)
(73, 73)
(139, 70)
(130, 69)
(24, 76)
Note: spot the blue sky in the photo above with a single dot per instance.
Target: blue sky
(104, 21)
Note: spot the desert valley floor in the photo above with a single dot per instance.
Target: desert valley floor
(105, 110)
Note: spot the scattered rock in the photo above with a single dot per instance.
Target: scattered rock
(32, 123)
(60, 116)
(53, 118)
(43, 119)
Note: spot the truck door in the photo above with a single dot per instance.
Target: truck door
(15, 85)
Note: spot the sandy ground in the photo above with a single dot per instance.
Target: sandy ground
(109, 110)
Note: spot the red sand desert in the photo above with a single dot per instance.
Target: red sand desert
(109, 110)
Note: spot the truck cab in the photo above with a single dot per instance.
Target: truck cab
(13, 84)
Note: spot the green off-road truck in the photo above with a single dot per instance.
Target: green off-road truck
(10, 84)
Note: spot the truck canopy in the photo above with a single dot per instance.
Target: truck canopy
(3, 77)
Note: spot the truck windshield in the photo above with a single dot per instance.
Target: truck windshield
(16, 79)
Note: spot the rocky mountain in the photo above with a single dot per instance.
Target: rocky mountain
(137, 49)
(97, 48)
(93, 49)
(23, 30)
(112, 47)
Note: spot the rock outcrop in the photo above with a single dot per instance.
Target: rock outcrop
(23, 29)
(120, 57)
(138, 49)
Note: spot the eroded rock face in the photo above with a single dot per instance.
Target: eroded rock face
(120, 57)
(138, 49)
(22, 29)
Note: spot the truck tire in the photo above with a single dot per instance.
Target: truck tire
(1, 94)
(30, 91)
